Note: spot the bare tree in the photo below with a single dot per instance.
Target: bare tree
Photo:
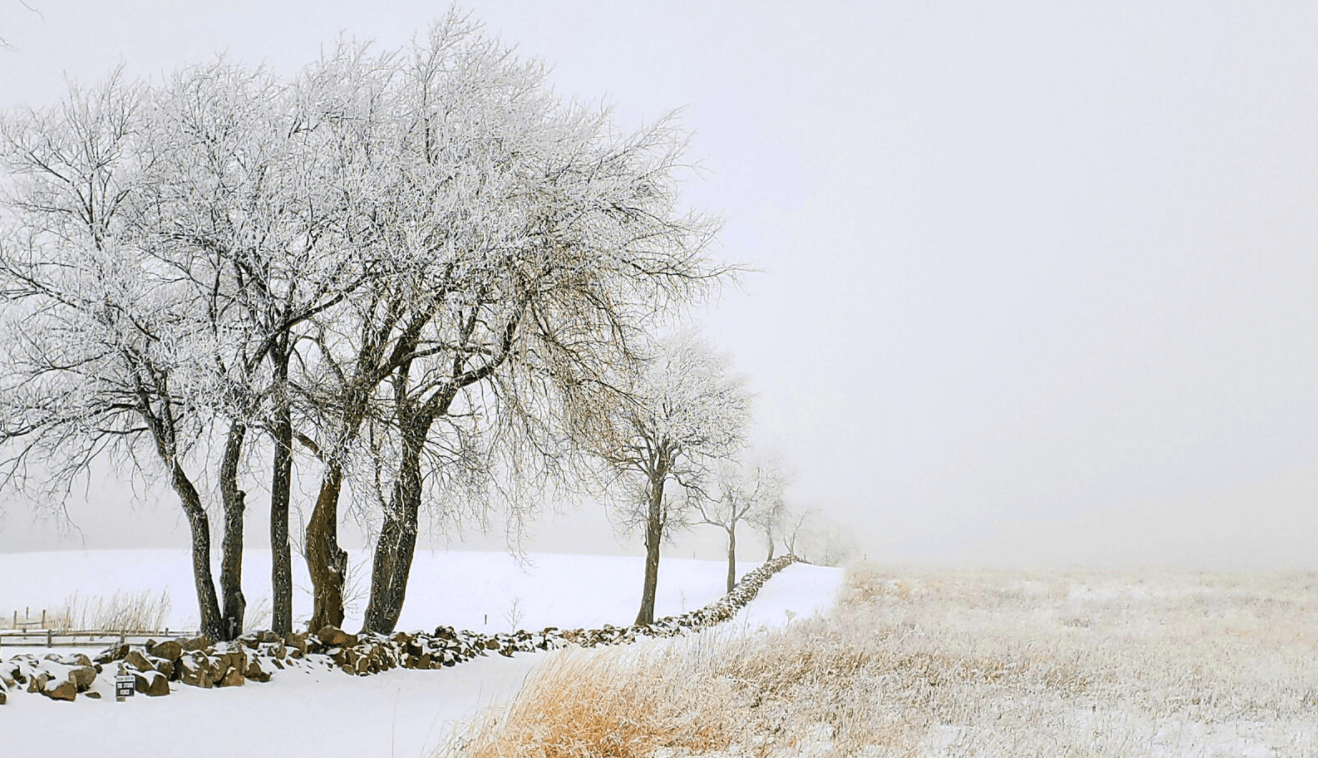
(770, 522)
(814, 536)
(518, 248)
(416, 270)
(679, 416)
(745, 493)
(773, 515)
(104, 351)
(175, 221)
(795, 526)
(246, 187)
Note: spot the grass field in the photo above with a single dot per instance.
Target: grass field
(954, 664)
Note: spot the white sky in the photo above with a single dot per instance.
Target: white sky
(1038, 278)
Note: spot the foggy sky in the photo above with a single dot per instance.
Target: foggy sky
(1037, 279)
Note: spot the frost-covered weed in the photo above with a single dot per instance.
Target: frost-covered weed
(957, 664)
(143, 611)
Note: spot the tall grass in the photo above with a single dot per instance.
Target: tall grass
(953, 664)
(619, 702)
(123, 611)
(257, 617)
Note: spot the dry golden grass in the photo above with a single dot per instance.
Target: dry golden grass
(918, 664)
(123, 611)
(615, 702)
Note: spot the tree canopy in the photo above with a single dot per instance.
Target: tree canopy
(414, 273)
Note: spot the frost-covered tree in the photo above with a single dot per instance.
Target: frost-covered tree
(243, 187)
(518, 247)
(411, 271)
(744, 493)
(815, 536)
(215, 199)
(772, 517)
(446, 131)
(796, 526)
(104, 351)
(679, 417)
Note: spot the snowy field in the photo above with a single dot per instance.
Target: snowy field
(481, 591)
(401, 713)
(1162, 664)
(884, 662)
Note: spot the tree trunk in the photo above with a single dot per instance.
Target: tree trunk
(653, 535)
(396, 546)
(281, 558)
(393, 563)
(382, 568)
(394, 550)
(211, 624)
(732, 558)
(326, 561)
(231, 561)
(769, 534)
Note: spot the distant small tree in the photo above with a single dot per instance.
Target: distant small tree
(771, 518)
(678, 417)
(819, 539)
(794, 525)
(745, 494)
(834, 546)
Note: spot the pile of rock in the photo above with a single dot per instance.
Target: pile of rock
(58, 677)
(200, 662)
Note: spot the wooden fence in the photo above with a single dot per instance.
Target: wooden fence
(96, 639)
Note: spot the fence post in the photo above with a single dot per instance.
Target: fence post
(43, 618)
(49, 639)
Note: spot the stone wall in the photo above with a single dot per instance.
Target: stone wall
(199, 662)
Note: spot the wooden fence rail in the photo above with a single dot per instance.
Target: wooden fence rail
(101, 639)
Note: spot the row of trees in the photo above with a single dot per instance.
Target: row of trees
(415, 276)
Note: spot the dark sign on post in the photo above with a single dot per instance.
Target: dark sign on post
(124, 687)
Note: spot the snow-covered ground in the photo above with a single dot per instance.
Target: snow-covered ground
(481, 591)
(401, 713)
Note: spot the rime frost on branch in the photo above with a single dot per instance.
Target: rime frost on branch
(416, 273)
